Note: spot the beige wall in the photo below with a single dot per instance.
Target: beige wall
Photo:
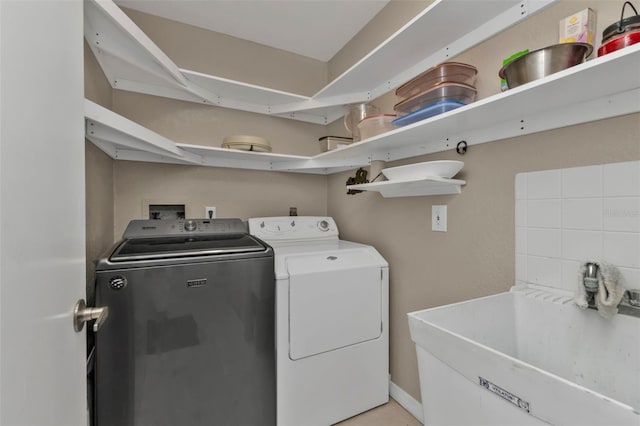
(235, 193)
(221, 55)
(390, 19)
(96, 86)
(476, 257)
(98, 176)
(192, 123)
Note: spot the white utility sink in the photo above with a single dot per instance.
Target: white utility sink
(527, 357)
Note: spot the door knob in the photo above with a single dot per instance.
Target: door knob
(82, 314)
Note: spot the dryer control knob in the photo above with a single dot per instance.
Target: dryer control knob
(323, 225)
(190, 225)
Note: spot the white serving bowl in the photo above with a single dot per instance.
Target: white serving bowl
(443, 169)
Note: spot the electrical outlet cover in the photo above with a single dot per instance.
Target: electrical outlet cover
(210, 212)
(439, 218)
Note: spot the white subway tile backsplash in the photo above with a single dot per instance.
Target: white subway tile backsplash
(582, 182)
(521, 240)
(570, 275)
(621, 214)
(521, 212)
(521, 267)
(545, 184)
(569, 216)
(581, 245)
(521, 186)
(544, 242)
(622, 179)
(631, 277)
(544, 271)
(582, 213)
(622, 249)
(544, 213)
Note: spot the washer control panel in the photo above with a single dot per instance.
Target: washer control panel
(295, 228)
(157, 228)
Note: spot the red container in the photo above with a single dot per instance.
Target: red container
(622, 33)
(626, 39)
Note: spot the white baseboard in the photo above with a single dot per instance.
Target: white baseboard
(407, 401)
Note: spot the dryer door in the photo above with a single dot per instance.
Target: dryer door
(335, 300)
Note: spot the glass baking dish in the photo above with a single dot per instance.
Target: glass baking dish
(426, 112)
(459, 92)
(446, 72)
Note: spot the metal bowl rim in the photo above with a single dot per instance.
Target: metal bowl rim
(587, 45)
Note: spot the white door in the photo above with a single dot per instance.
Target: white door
(42, 242)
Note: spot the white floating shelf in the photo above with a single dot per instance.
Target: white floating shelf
(412, 188)
(123, 50)
(131, 61)
(604, 87)
(113, 134)
(223, 157)
(601, 88)
(427, 40)
(123, 139)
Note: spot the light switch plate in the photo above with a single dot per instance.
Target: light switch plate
(439, 218)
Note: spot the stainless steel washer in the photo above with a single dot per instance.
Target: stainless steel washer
(190, 336)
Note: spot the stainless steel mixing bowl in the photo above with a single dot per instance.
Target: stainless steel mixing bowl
(543, 62)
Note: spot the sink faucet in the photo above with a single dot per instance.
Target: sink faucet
(629, 303)
(591, 283)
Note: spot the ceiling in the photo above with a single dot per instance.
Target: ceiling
(313, 28)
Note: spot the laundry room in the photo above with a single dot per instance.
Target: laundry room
(475, 257)
(507, 284)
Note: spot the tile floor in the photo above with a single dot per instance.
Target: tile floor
(389, 414)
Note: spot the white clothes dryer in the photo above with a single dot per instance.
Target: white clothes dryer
(332, 310)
